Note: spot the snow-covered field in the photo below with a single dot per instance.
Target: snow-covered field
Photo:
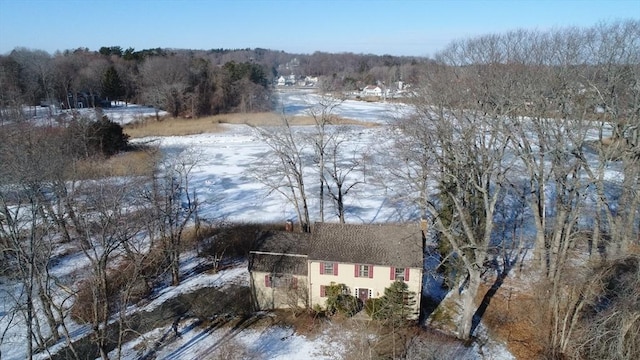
(300, 102)
(119, 112)
(226, 178)
(227, 183)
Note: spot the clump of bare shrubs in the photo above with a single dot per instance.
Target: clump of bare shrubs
(609, 326)
(135, 276)
(593, 312)
(129, 282)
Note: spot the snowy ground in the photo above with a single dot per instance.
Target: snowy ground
(226, 183)
(199, 341)
(226, 178)
(300, 102)
(231, 342)
(119, 112)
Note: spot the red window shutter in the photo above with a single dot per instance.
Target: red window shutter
(392, 273)
(406, 274)
(323, 291)
(321, 268)
(294, 283)
(267, 280)
(335, 269)
(370, 271)
(356, 268)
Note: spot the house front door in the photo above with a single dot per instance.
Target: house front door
(363, 294)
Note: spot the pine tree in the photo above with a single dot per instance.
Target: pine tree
(397, 303)
(112, 87)
(340, 301)
(107, 137)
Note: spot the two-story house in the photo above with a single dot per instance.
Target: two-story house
(372, 90)
(290, 269)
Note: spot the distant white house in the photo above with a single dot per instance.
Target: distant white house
(310, 80)
(372, 90)
(288, 80)
(291, 80)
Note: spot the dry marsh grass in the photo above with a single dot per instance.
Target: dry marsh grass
(131, 163)
(212, 124)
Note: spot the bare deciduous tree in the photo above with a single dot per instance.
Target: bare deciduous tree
(284, 172)
(107, 227)
(164, 80)
(29, 232)
(341, 173)
(36, 75)
(336, 174)
(469, 150)
(174, 205)
(323, 116)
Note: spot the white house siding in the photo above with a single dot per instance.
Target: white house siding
(268, 298)
(346, 275)
(372, 91)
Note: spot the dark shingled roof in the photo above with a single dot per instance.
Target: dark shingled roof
(280, 252)
(283, 242)
(383, 244)
(278, 264)
(397, 245)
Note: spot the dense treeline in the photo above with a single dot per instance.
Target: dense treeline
(518, 132)
(183, 82)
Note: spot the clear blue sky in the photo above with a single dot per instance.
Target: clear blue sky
(401, 27)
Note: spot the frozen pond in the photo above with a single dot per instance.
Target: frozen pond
(300, 102)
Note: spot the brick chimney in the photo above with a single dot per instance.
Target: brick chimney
(424, 225)
(288, 226)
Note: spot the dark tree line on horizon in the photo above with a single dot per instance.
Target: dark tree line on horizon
(188, 83)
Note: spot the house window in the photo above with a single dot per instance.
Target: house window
(363, 271)
(281, 281)
(329, 268)
(401, 274)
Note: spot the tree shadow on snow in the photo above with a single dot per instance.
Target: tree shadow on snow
(502, 272)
